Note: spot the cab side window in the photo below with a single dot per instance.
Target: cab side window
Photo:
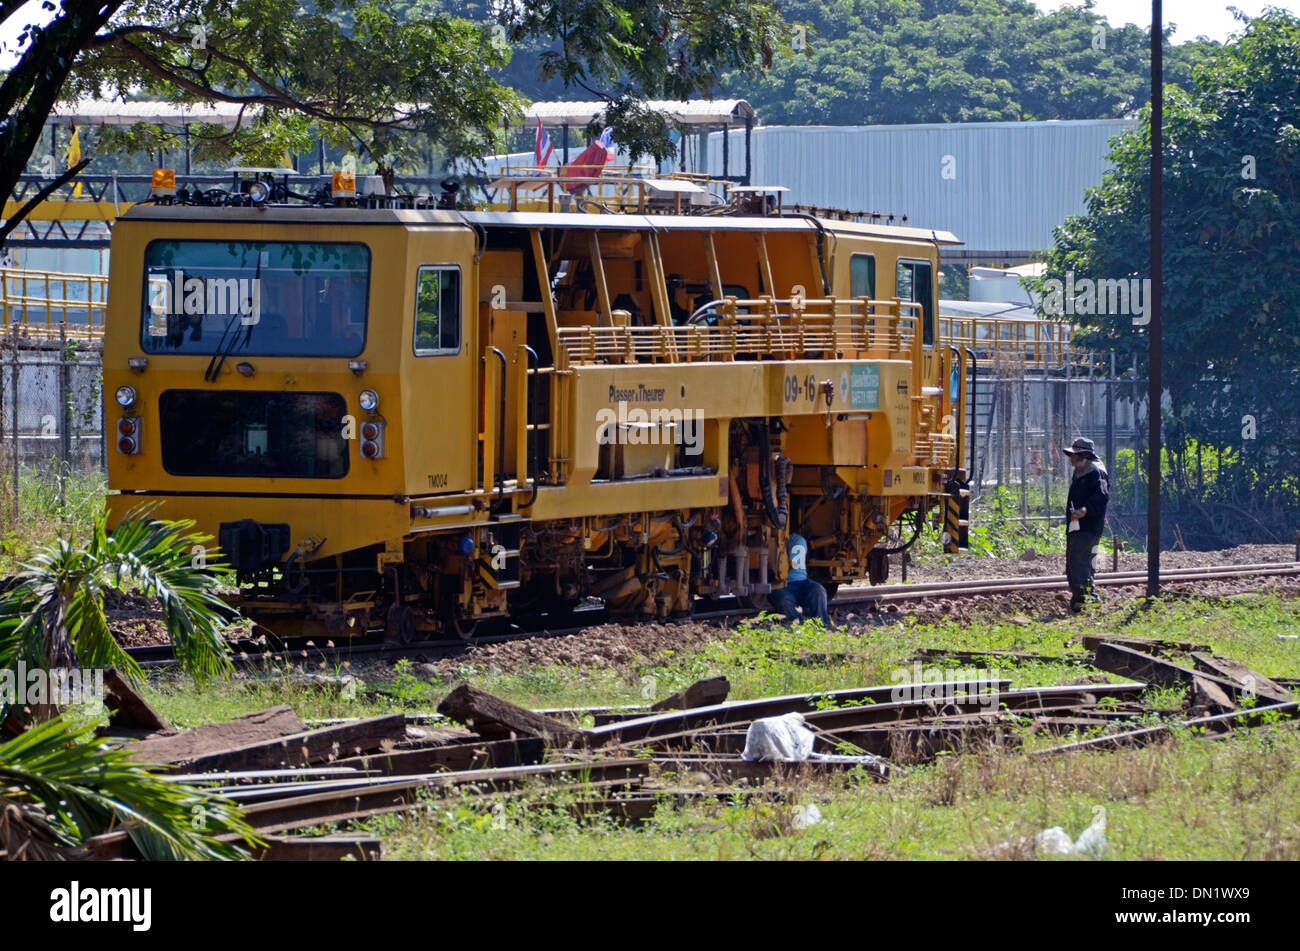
(862, 275)
(915, 282)
(437, 310)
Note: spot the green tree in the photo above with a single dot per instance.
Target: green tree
(391, 80)
(896, 61)
(1231, 238)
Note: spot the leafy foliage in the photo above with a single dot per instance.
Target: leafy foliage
(389, 81)
(1231, 239)
(59, 787)
(397, 81)
(896, 61)
(55, 610)
(861, 62)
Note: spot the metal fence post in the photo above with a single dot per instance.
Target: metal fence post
(13, 415)
(1022, 393)
(1110, 413)
(1049, 447)
(1137, 489)
(65, 411)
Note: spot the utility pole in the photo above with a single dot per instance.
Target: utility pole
(1153, 329)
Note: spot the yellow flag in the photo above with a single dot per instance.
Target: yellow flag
(287, 159)
(74, 156)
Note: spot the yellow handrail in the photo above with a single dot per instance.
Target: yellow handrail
(551, 190)
(765, 326)
(1041, 343)
(64, 303)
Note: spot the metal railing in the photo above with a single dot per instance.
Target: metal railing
(1041, 343)
(785, 329)
(53, 303)
(544, 190)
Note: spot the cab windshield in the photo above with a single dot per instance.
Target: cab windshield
(259, 298)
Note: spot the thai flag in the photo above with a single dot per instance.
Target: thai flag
(543, 149)
(607, 139)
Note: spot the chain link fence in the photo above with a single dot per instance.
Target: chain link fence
(51, 423)
(1024, 414)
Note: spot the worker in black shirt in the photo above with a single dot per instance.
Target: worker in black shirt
(1085, 516)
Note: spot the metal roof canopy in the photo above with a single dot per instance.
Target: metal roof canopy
(693, 114)
(688, 112)
(91, 112)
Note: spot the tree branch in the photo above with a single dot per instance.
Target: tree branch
(276, 97)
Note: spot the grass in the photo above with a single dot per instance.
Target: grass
(1237, 798)
(316, 690)
(761, 658)
(996, 529)
(60, 502)
(1234, 799)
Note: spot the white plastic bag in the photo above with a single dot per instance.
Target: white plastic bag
(785, 739)
(805, 816)
(1091, 841)
(1054, 840)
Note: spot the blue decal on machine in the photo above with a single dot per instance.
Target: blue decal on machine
(864, 387)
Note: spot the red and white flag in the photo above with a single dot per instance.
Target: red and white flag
(590, 161)
(543, 149)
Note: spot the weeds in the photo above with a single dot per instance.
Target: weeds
(62, 505)
(1192, 798)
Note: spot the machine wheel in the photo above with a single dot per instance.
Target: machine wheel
(464, 627)
(399, 625)
(294, 576)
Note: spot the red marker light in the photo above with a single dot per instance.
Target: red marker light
(126, 445)
(126, 427)
(369, 431)
(369, 450)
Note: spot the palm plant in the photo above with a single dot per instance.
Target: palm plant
(59, 787)
(56, 604)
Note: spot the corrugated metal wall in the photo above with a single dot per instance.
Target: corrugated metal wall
(1010, 182)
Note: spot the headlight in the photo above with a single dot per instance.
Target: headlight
(369, 400)
(125, 395)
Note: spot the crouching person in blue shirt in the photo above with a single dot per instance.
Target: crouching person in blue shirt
(800, 591)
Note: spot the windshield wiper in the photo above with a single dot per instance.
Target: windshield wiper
(212, 372)
(223, 349)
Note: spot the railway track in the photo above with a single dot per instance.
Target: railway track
(917, 592)
(312, 649)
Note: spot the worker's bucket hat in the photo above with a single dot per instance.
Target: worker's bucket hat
(1083, 446)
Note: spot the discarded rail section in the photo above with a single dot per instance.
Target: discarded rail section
(692, 746)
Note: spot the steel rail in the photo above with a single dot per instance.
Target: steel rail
(156, 656)
(1044, 583)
